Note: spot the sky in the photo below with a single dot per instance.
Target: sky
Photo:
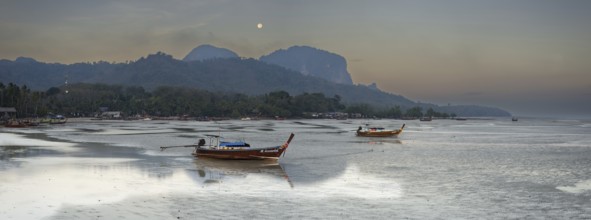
(530, 57)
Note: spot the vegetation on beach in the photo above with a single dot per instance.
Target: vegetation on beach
(85, 100)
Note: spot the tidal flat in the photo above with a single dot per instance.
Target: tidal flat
(474, 169)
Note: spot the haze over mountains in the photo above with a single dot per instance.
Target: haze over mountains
(296, 70)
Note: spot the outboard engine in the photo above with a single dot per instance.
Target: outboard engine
(201, 142)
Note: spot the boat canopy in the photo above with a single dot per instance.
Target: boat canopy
(234, 144)
(376, 128)
(58, 117)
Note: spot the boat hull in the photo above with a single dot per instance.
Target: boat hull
(57, 121)
(241, 154)
(378, 134)
(16, 126)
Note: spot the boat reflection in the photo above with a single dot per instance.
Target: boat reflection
(379, 141)
(210, 171)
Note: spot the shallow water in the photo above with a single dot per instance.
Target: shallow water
(436, 170)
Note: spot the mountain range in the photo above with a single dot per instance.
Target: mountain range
(221, 70)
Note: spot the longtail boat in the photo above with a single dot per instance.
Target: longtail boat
(378, 132)
(15, 124)
(235, 150)
(54, 119)
(58, 119)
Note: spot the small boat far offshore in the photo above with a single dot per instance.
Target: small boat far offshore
(378, 132)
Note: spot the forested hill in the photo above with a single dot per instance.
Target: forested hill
(248, 76)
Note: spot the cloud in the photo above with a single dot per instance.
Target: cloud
(504, 53)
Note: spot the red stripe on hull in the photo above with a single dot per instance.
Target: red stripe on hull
(378, 134)
(246, 154)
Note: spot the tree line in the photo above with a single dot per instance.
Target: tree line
(85, 100)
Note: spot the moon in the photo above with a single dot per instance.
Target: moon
(260, 25)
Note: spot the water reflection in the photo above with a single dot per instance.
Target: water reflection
(160, 172)
(210, 171)
(9, 152)
(380, 141)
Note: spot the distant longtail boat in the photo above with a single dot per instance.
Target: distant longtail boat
(378, 132)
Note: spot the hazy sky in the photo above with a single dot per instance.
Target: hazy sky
(531, 57)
